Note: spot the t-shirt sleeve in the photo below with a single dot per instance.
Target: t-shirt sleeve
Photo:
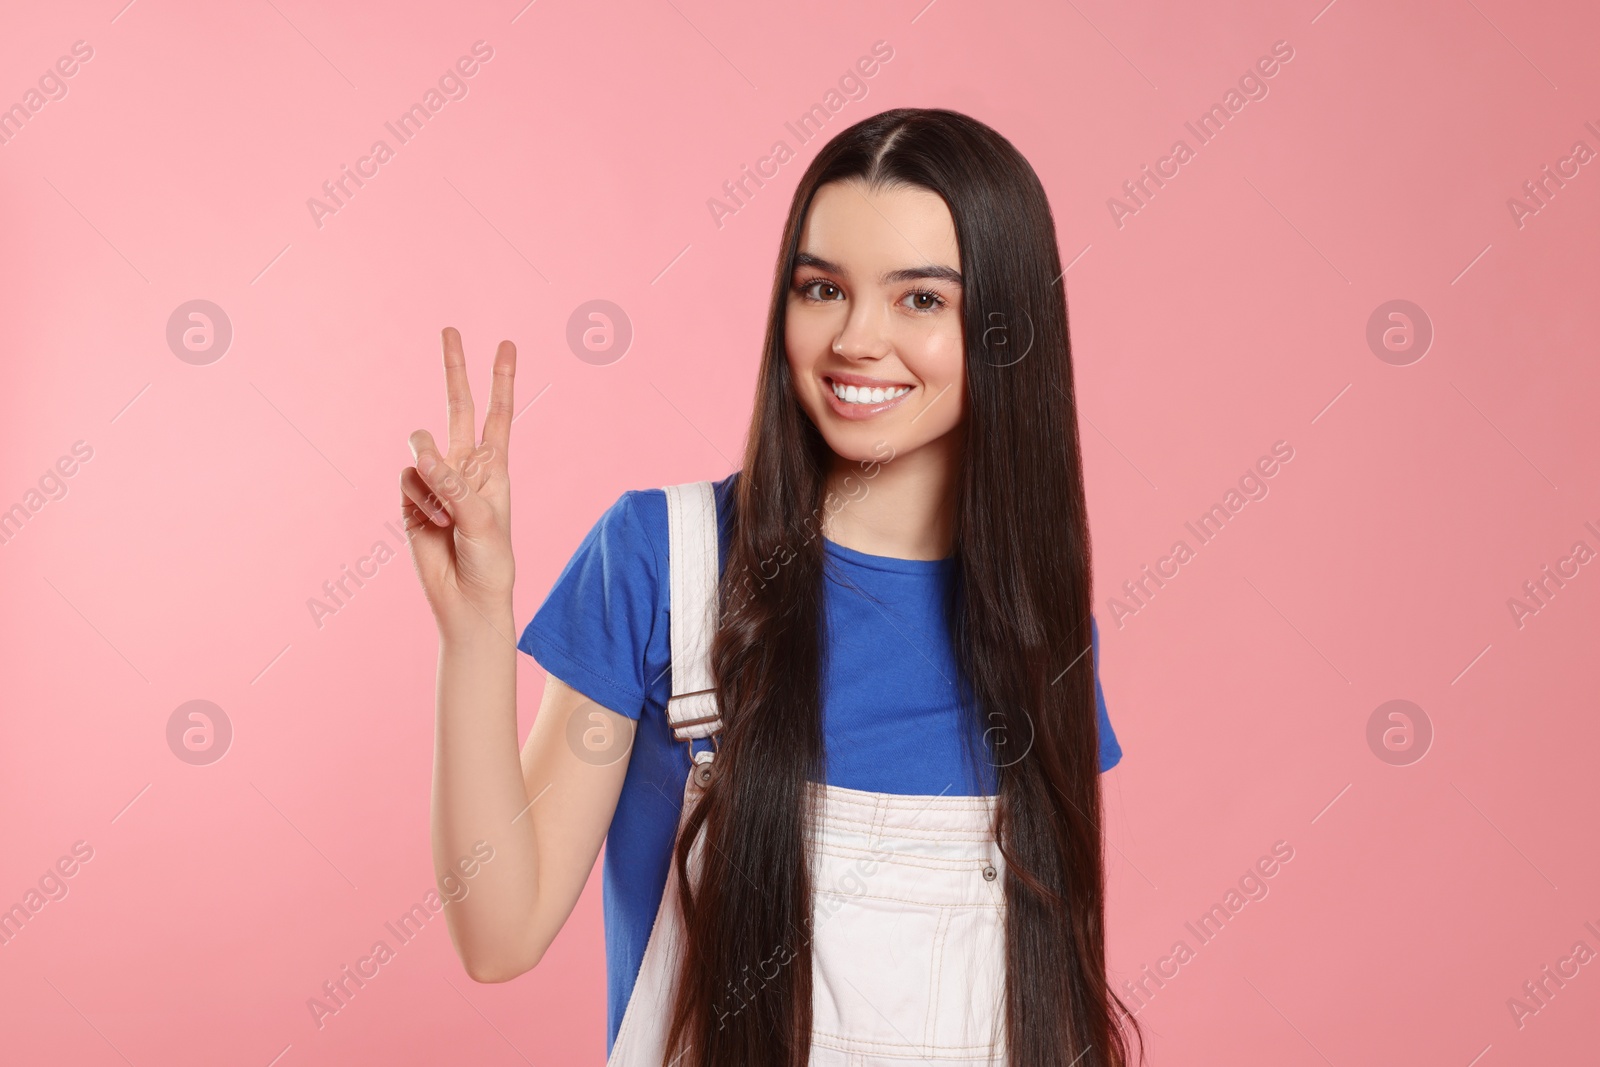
(601, 625)
(1110, 748)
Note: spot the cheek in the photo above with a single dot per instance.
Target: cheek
(946, 376)
(940, 361)
(806, 335)
(799, 345)
(801, 370)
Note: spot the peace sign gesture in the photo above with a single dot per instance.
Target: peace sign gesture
(457, 507)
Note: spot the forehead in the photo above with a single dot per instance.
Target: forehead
(869, 233)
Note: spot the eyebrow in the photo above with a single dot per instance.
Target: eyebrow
(904, 274)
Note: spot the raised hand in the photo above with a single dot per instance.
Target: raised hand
(457, 507)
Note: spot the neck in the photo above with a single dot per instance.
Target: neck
(903, 508)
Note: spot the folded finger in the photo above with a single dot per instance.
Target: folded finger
(415, 493)
(454, 493)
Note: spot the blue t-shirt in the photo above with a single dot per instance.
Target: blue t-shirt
(890, 716)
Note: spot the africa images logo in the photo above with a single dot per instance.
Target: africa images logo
(452, 85)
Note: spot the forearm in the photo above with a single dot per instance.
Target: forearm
(479, 794)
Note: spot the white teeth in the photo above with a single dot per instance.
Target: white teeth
(850, 394)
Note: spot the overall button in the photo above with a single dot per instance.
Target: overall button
(989, 873)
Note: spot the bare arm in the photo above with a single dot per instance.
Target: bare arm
(546, 814)
(545, 818)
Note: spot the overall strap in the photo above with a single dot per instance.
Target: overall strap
(692, 554)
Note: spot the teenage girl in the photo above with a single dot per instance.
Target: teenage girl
(850, 787)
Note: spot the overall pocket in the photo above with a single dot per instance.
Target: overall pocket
(908, 962)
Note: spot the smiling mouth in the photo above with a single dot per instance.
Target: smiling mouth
(866, 395)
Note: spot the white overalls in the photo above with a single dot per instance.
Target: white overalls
(908, 912)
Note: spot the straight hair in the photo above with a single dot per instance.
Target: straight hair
(1019, 612)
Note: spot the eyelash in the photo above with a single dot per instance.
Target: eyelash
(939, 301)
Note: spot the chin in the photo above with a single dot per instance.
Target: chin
(864, 445)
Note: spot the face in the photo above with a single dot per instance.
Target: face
(874, 313)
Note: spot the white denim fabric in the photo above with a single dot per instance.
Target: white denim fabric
(908, 911)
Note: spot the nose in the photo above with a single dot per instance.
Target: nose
(862, 337)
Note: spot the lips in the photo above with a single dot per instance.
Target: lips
(857, 412)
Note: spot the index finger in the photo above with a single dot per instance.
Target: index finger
(458, 396)
(497, 423)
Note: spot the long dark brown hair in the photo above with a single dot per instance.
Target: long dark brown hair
(1019, 618)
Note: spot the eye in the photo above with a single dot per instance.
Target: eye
(926, 300)
(805, 287)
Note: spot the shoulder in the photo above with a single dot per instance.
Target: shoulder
(646, 513)
(620, 543)
(635, 517)
(603, 626)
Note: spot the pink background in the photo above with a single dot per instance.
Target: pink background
(1228, 313)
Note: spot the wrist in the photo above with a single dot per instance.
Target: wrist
(471, 627)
